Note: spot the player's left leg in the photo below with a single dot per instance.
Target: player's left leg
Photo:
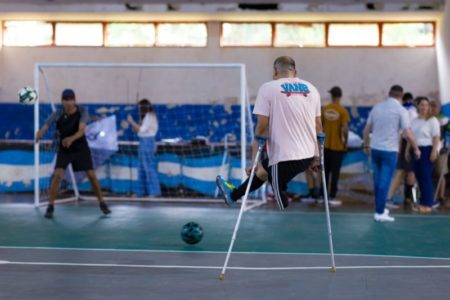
(232, 194)
(82, 161)
(98, 191)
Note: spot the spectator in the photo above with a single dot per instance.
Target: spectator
(386, 120)
(427, 132)
(147, 130)
(335, 120)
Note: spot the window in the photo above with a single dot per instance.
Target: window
(130, 35)
(408, 34)
(246, 34)
(353, 34)
(299, 35)
(79, 34)
(181, 35)
(27, 33)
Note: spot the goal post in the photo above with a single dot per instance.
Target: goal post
(185, 70)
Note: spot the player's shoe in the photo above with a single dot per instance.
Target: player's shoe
(49, 212)
(384, 217)
(104, 208)
(226, 188)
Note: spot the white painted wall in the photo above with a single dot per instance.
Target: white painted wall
(364, 74)
(443, 54)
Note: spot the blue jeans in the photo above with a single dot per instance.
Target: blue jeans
(423, 169)
(383, 165)
(147, 168)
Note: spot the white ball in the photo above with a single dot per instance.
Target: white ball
(27, 95)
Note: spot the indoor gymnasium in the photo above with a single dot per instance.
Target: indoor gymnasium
(258, 149)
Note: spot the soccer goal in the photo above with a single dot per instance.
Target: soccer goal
(204, 129)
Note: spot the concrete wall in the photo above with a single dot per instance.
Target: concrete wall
(364, 74)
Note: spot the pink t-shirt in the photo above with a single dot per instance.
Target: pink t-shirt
(292, 106)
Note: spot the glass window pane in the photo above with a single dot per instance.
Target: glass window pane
(246, 34)
(181, 35)
(299, 35)
(353, 35)
(408, 34)
(27, 33)
(130, 35)
(79, 34)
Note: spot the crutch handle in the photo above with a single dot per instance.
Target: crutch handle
(261, 140)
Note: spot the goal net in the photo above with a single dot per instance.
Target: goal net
(204, 129)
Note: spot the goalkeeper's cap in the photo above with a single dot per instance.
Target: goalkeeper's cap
(68, 94)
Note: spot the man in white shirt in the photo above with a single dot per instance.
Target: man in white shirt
(386, 121)
(288, 115)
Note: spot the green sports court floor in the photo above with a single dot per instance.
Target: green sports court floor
(137, 253)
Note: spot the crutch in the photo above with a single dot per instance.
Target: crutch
(241, 211)
(321, 140)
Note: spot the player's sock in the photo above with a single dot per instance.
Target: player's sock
(239, 192)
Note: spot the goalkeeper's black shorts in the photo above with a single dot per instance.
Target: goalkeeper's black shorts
(80, 160)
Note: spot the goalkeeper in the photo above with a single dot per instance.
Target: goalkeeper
(72, 148)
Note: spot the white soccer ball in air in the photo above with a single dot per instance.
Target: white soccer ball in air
(27, 95)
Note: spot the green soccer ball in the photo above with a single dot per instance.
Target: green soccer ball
(27, 95)
(191, 233)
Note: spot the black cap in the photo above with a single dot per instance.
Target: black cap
(68, 94)
(335, 91)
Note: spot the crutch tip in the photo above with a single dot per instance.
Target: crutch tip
(333, 269)
(222, 276)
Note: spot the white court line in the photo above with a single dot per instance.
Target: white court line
(290, 212)
(60, 264)
(223, 252)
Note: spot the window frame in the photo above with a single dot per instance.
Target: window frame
(79, 22)
(272, 26)
(206, 23)
(3, 29)
(325, 45)
(379, 25)
(405, 46)
(180, 22)
(105, 26)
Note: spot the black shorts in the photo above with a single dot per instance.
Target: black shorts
(281, 173)
(80, 160)
(402, 164)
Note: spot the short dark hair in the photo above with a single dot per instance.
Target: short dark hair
(396, 91)
(336, 92)
(145, 106)
(407, 97)
(284, 63)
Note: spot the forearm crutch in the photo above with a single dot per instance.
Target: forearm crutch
(321, 140)
(241, 211)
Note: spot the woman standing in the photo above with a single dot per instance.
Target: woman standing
(147, 130)
(427, 132)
